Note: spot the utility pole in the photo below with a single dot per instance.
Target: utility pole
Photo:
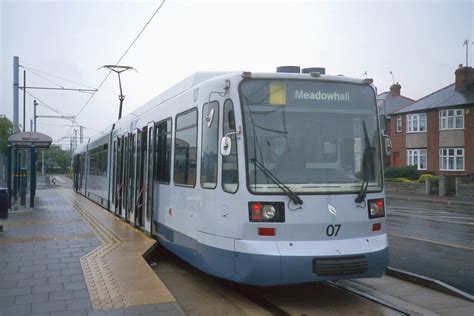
(35, 104)
(81, 133)
(75, 139)
(24, 100)
(118, 70)
(42, 162)
(16, 66)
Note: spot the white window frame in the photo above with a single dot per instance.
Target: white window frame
(450, 116)
(399, 123)
(445, 157)
(414, 123)
(414, 157)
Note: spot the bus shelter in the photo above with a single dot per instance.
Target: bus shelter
(21, 158)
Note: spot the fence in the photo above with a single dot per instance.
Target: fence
(458, 186)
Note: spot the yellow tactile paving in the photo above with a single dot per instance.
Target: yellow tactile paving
(116, 274)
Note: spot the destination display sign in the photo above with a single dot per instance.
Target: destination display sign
(307, 93)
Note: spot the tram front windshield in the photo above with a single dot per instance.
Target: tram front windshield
(312, 136)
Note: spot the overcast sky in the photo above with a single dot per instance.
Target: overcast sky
(420, 41)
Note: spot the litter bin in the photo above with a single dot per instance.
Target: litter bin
(4, 203)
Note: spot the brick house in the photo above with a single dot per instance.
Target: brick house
(436, 133)
(389, 102)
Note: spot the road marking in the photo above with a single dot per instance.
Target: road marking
(431, 241)
(428, 218)
(435, 217)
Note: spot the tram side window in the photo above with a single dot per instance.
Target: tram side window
(163, 151)
(230, 170)
(210, 133)
(98, 161)
(185, 149)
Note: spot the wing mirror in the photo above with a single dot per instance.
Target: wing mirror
(226, 146)
(209, 118)
(387, 144)
(383, 123)
(226, 142)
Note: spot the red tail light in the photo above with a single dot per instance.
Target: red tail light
(376, 227)
(376, 208)
(265, 231)
(256, 211)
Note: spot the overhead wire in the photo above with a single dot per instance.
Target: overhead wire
(44, 104)
(55, 76)
(44, 78)
(120, 59)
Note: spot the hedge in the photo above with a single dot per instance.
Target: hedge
(409, 172)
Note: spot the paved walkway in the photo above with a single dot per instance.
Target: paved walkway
(40, 265)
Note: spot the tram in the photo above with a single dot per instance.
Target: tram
(258, 178)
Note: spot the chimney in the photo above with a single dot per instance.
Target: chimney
(395, 88)
(464, 78)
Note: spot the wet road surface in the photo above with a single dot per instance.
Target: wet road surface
(433, 240)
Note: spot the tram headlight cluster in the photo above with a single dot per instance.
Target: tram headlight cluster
(376, 208)
(267, 212)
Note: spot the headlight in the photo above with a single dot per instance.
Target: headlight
(269, 212)
(376, 208)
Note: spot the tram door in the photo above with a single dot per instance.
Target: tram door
(140, 179)
(132, 173)
(118, 180)
(126, 163)
(148, 178)
(75, 166)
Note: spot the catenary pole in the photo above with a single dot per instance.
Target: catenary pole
(16, 66)
(35, 104)
(24, 100)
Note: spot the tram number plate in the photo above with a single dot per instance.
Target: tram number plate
(333, 230)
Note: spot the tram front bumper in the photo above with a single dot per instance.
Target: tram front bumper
(269, 263)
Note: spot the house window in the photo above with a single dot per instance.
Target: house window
(451, 159)
(451, 119)
(417, 157)
(399, 123)
(416, 123)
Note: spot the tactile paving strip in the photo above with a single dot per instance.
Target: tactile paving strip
(103, 290)
(116, 273)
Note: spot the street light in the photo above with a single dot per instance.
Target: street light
(118, 70)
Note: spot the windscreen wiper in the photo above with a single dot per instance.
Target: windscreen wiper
(367, 161)
(292, 195)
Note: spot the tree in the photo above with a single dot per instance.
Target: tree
(56, 159)
(6, 129)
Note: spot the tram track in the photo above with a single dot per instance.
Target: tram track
(201, 291)
(274, 309)
(347, 287)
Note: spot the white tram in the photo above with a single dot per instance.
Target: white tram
(259, 178)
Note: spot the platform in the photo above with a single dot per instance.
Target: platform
(69, 256)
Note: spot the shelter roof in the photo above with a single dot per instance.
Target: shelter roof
(27, 139)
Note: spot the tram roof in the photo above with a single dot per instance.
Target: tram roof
(200, 77)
